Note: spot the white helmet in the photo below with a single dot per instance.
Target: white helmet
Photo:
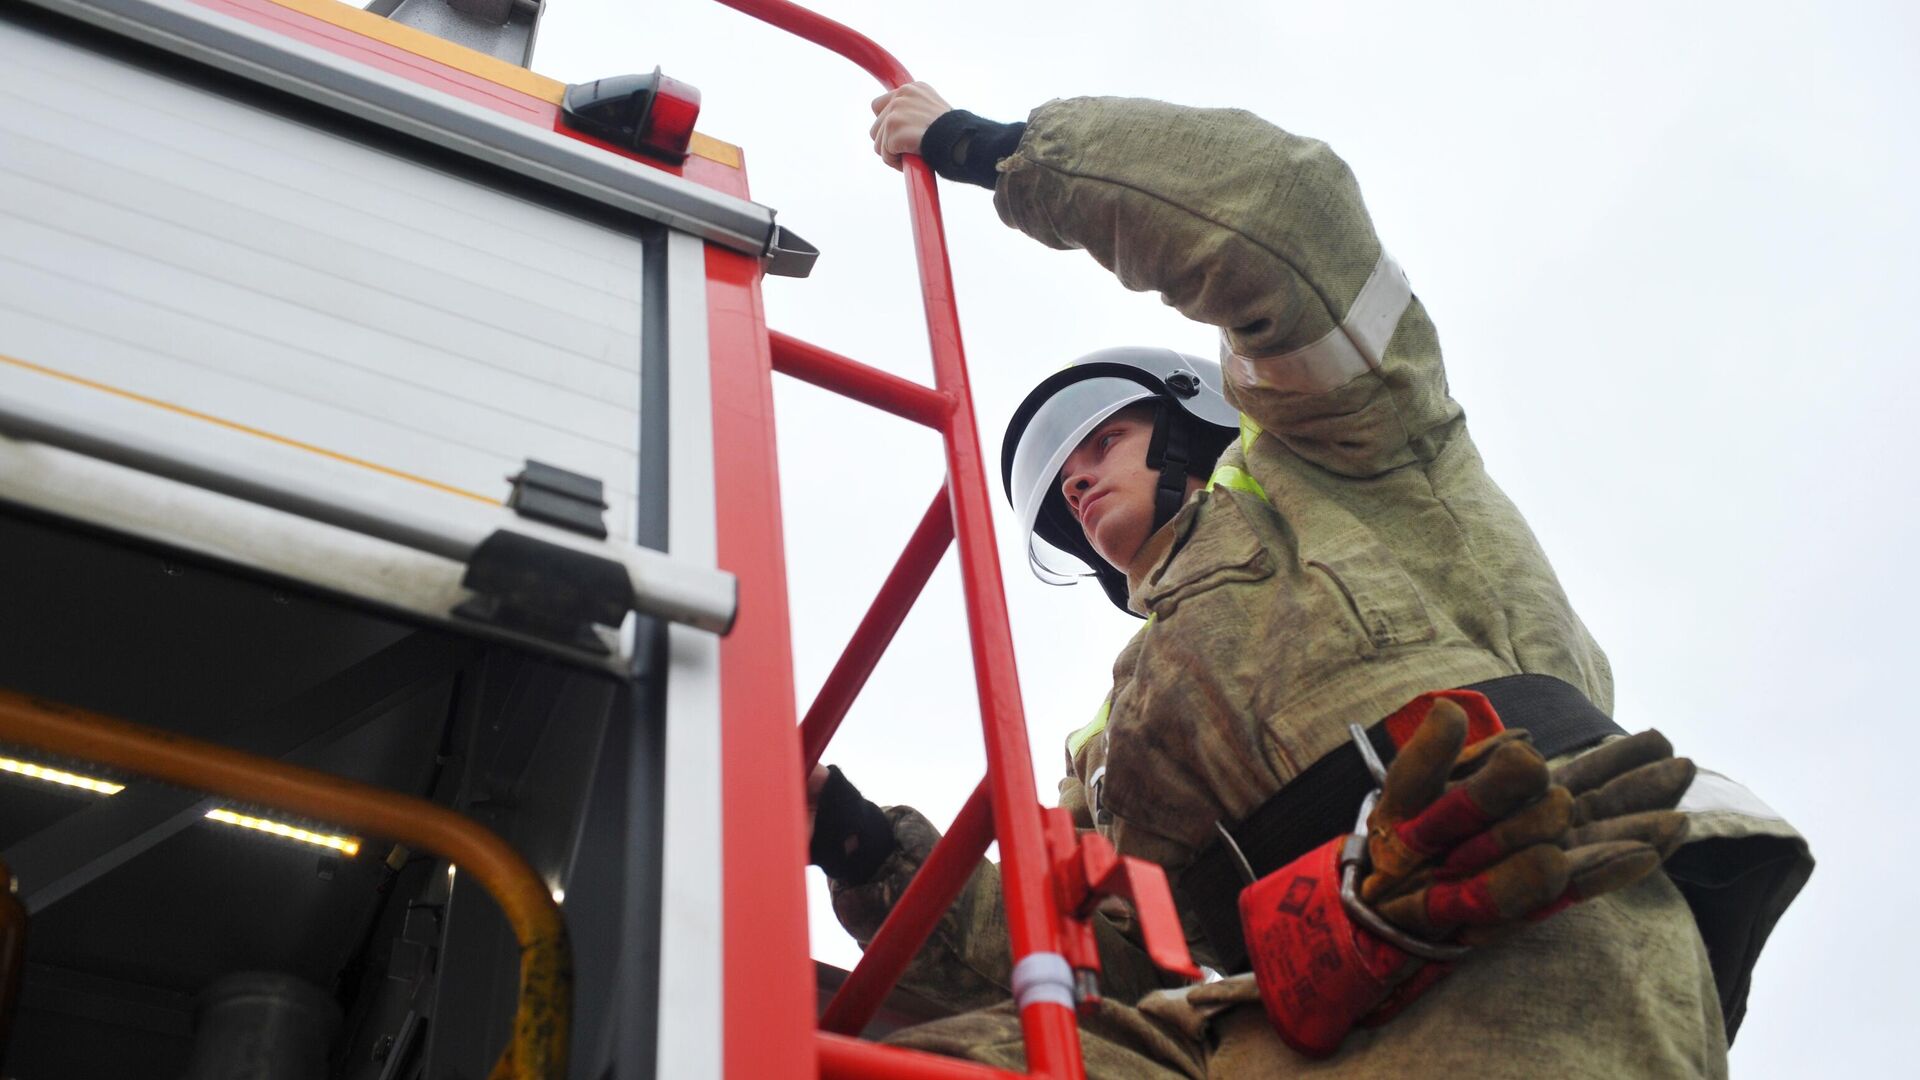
(1193, 423)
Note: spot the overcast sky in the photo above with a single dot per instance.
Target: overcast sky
(1670, 249)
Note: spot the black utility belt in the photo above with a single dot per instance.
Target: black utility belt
(1319, 804)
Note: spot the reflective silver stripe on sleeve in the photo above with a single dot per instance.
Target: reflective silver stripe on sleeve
(1346, 352)
(1711, 791)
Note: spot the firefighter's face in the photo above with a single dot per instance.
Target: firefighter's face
(1109, 487)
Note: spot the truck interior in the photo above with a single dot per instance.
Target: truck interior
(395, 662)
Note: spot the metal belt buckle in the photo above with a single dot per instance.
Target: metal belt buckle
(1354, 862)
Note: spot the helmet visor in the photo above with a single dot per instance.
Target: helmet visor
(1050, 436)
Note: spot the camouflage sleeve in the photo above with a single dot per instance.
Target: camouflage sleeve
(1262, 234)
(966, 962)
(1073, 799)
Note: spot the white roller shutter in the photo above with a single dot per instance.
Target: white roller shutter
(235, 270)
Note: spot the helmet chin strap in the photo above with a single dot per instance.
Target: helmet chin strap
(1171, 451)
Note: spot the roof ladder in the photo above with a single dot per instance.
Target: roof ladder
(1050, 882)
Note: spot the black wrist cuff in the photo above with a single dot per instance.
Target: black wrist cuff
(966, 148)
(851, 836)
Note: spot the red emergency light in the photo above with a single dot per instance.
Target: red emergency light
(652, 114)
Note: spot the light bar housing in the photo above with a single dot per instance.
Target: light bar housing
(651, 114)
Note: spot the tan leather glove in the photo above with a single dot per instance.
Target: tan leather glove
(1464, 844)
(1468, 842)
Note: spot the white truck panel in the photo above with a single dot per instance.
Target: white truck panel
(191, 249)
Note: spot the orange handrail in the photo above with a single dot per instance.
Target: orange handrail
(538, 1050)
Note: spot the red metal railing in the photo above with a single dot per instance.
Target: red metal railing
(1005, 806)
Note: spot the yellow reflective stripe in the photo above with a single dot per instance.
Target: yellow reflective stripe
(1238, 479)
(1085, 735)
(1099, 723)
(1235, 477)
(1249, 431)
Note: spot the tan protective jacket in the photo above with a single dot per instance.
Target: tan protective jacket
(1370, 559)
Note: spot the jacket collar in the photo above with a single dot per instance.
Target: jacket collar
(1159, 550)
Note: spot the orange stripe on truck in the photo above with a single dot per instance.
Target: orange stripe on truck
(244, 429)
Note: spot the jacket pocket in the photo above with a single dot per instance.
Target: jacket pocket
(1378, 593)
(1220, 549)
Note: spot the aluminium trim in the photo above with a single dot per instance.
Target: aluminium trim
(674, 589)
(313, 74)
(692, 1002)
(85, 490)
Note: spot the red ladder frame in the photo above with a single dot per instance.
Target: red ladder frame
(1004, 806)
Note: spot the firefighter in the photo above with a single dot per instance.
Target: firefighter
(1312, 537)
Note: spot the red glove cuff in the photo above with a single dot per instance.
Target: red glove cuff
(1318, 973)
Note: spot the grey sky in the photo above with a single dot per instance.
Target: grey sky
(1670, 251)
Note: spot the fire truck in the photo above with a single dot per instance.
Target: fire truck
(395, 659)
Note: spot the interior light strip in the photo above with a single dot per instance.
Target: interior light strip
(346, 845)
(60, 776)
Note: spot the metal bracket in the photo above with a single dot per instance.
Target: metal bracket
(544, 589)
(502, 28)
(788, 255)
(568, 499)
(1086, 870)
(403, 1052)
